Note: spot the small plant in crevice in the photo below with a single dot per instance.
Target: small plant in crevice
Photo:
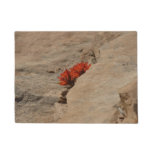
(68, 77)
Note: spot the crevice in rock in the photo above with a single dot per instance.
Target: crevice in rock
(63, 99)
(19, 98)
(88, 55)
(127, 108)
(50, 71)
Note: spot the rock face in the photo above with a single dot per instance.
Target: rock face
(95, 98)
(127, 108)
(95, 95)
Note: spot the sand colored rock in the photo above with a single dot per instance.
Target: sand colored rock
(95, 95)
(128, 104)
(41, 56)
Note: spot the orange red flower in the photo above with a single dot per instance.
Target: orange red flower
(65, 78)
(68, 77)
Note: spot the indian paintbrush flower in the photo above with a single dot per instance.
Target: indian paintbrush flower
(68, 77)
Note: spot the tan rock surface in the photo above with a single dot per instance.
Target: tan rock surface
(128, 104)
(42, 56)
(94, 97)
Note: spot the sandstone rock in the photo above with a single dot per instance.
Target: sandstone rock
(94, 97)
(41, 56)
(128, 102)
